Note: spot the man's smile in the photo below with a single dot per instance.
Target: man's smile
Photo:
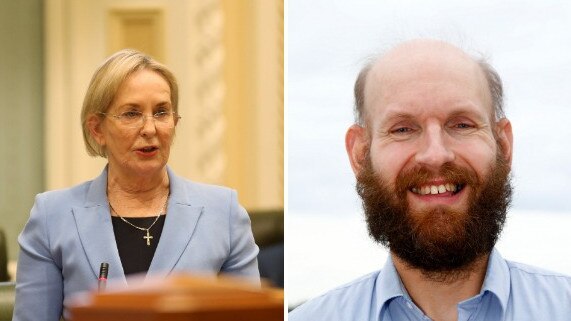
(434, 189)
(437, 192)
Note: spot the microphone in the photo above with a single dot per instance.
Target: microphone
(102, 281)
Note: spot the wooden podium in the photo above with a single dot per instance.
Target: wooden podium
(180, 298)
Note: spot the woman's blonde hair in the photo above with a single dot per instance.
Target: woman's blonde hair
(106, 82)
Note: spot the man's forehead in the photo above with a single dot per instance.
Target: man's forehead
(421, 61)
(422, 58)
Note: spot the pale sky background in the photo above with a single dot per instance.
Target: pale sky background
(528, 42)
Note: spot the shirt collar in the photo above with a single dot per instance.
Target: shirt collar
(388, 285)
(497, 281)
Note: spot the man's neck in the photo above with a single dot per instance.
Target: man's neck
(438, 297)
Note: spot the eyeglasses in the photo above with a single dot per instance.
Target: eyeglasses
(136, 119)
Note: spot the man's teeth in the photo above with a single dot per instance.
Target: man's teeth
(435, 189)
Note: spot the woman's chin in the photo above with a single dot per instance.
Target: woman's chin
(144, 169)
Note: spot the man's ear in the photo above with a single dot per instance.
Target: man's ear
(505, 138)
(94, 124)
(356, 144)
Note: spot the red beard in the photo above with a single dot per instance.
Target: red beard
(437, 241)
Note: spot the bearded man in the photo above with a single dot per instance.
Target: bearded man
(431, 150)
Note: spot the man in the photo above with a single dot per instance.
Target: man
(432, 151)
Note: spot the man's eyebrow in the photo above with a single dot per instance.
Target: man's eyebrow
(397, 115)
(391, 118)
(465, 110)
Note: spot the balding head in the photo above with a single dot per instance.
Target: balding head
(422, 59)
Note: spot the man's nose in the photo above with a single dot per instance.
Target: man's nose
(434, 151)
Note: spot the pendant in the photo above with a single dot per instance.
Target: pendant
(148, 238)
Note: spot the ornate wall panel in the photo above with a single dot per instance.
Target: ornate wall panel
(142, 29)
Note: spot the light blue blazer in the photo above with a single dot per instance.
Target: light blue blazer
(69, 234)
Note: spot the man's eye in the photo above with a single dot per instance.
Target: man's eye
(401, 130)
(131, 114)
(463, 126)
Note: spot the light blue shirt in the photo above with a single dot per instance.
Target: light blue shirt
(511, 291)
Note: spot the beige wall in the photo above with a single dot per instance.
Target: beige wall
(228, 58)
(21, 130)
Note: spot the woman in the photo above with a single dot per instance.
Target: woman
(138, 216)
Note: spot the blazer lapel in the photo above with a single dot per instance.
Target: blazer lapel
(180, 223)
(96, 230)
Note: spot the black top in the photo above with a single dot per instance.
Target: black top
(135, 254)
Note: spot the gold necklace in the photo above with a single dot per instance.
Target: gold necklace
(148, 237)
